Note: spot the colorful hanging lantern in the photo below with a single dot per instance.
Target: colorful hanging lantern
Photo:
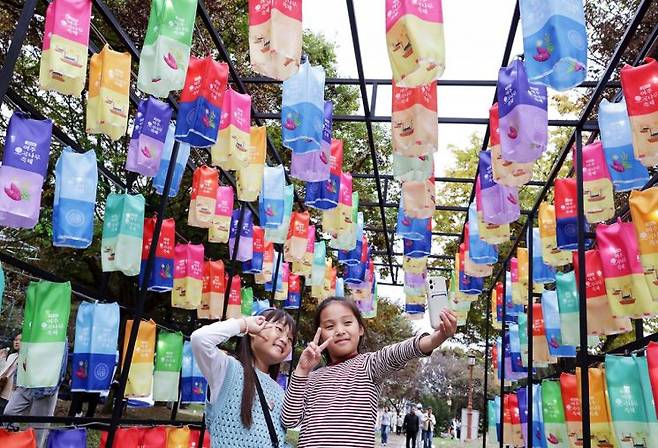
(599, 413)
(94, 351)
(123, 228)
(598, 192)
(203, 198)
(566, 201)
(411, 228)
(519, 295)
(414, 119)
(200, 106)
(414, 37)
(165, 54)
(523, 115)
(555, 42)
(231, 151)
(489, 233)
(188, 276)
(297, 236)
(626, 171)
(551, 314)
(193, 383)
(148, 137)
(268, 264)
(480, 251)
(234, 308)
(180, 164)
(278, 234)
(313, 166)
(625, 283)
(245, 248)
(549, 251)
(23, 170)
(643, 206)
(255, 265)
(220, 225)
(76, 178)
(140, 375)
(213, 290)
(500, 204)
(162, 272)
(419, 198)
(272, 203)
(293, 300)
(65, 47)
(168, 363)
(540, 344)
(305, 266)
(418, 248)
(324, 195)
(640, 87)
(281, 291)
(46, 317)
(250, 178)
(345, 238)
(553, 414)
(109, 85)
(567, 298)
(505, 172)
(275, 37)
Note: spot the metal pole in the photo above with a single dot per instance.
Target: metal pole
(530, 322)
(582, 293)
(276, 276)
(485, 407)
(501, 441)
(293, 361)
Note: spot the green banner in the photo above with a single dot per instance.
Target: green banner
(168, 363)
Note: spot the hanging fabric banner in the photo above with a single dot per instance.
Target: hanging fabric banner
(23, 170)
(140, 376)
(643, 205)
(293, 300)
(234, 307)
(281, 292)
(275, 37)
(123, 228)
(523, 338)
(188, 276)
(200, 104)
(416, 168)
(180, 164)
(46, 317)
(305, 266)
(272, 201)
(193, 383)
(246, 301)
(500, 204)
(231, 151)
(297, 236)
(626, 171)
(414, 121)
(555, 42)
(220, 222)
(572, 413)
(76, 179)
(250, 178)
(65, 47)
(245, 249)
(165, 54)
(109, 85)
(324, 195)
(18, 439)
(541, 353)
(415, 41)
(645, 382)
(168, 363)
(302, 109)
(600, 426)
(640, 87)
(523, 115)
(541, 272)
(255, 265)
(566, 201)
(162, 273)
(522, 398)
(65, 438)
(625, 282)
(551, 314)
(419, 198)
(553, 414)
(481, 252)
(567, 297)
(203, 197)
(126, 437)
(652, 360)
(547, 232)
(214, 288)
(598, 191)
(268, 264)
(313, 166)
(411, 228)
(505, 172)
(148, 137)
(278, 234)
(95, 348)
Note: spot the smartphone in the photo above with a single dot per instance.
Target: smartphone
(437, 298)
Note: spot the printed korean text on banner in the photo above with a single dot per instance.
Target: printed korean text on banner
(250, 178)
(626, 171)
(500, 204)
(555, 427)
(293, 300)
(297, 236)
(140, 376)
(255, 265)
(640, 87)
(419, 198)
(188, 276)
(265, 275)
(148, 137)
(231, 151)
(556, 346)
(415, 41)
(95, 348)
(414, 119)
(214, 288)
(272, 201)
(597, 186)
(180, 164)
(46, 317)
(505, 172)
(65, 47)
(162, 272)
(220, 223)
(278, 234)
(313, 166)
(109, 85)
(76, 179)
(523, 115)
(23, 170)
(305, 266)
(123, 228)
(203, 197)
(600, 426)
(555, 42)
(625, 282)
(245, 249)
(572, 412)
(234, 307)
(302, 109)
(275, 37)
(168, 362)
(193, 383)
(324, 195)
(551, 255)
(200, 104)
(566, 204)
(643, 205)
(541, 353)
(165, 54)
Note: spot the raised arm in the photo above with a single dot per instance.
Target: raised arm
(294, 403)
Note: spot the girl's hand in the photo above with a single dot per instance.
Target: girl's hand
(312, 355)
(447, 328)
(252, 324)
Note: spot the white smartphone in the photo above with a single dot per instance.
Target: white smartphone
(437, 298)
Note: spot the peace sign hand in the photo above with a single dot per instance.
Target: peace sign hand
(312, 355)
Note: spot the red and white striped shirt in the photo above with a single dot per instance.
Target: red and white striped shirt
(336, 405)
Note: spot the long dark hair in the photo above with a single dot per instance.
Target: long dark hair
(350, 304)
(246, 358)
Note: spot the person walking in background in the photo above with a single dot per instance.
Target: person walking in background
(8, 372)
(421, 424)
(399, 423)
(428, 428)
(410, 426)
(385, 424)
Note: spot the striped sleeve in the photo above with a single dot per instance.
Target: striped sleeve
(294, 402)
(393, 357)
